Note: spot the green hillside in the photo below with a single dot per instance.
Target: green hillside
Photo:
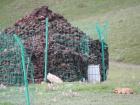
(123, 17)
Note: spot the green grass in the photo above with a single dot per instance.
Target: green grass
(123, 39)
(123, 17)
(120, 75)
(123, 33)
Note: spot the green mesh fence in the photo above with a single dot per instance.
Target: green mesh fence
(15, 70)
(80, 45)
(84, 45)
(11, 70)
(71, 61)
(102, 35)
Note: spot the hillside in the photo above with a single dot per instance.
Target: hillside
(123, 17)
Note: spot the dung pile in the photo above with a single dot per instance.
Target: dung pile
(64, 58)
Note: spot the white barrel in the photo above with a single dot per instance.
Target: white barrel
(94, 74)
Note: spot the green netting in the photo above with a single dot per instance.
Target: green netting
(84, 45)
(70, 40)
(16, 69)
(102, 35)
(74, 55)
(11, 70)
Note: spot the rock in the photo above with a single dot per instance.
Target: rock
(70, 93)
(2, 86)
(54, 79)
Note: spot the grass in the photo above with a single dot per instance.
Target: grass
(120, 75)
(123, 17)
(123, 39)
(123, 33)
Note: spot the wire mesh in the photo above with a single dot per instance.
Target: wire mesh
(70, 60)
(102, 37)
(12, 75)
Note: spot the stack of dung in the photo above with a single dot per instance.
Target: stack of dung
(64, 58)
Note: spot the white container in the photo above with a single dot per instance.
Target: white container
(94, 74)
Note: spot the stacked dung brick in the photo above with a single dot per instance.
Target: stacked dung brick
(64, 59)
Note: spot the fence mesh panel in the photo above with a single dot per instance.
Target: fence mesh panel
(11, 70)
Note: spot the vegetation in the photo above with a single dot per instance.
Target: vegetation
(120, 75)
(123, 17)
(123, 39)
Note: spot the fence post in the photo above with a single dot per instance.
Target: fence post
(24, 69)
(46, 51)
(102, 36)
